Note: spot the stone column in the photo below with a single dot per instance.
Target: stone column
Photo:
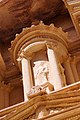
(26, 77)
(6, 97)
(55, 78)
(2, 105)
(74, 70)
(68, 71)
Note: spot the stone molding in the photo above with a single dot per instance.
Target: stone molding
(27, 109)
(37, 33)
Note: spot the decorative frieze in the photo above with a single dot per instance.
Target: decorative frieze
(39, 32)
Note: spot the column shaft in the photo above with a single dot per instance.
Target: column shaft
(26, 77)
(68, 72)
(55, 78)
(2, 104)
(6, 96)
(74, 70)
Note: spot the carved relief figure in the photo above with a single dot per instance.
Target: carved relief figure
(41, 72)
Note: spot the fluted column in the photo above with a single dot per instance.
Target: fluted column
(68, 71)
(55, 78)
(74, 70)
(26, 77)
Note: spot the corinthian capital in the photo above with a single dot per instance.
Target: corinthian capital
(26, 55)
(51, 45)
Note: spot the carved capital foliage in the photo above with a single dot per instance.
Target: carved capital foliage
(51, 45)
(68, 58)
(26, 55)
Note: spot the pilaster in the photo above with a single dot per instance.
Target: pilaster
(68, 70)
(74, 69)
(4, 95)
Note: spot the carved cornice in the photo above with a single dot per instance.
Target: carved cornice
(37, 33)
(74, 47)
(68, 95)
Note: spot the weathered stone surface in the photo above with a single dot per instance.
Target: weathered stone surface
(14, 15)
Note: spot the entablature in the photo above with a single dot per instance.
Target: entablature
(39, 33)
(53, 106)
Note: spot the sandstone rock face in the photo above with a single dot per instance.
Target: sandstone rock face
(16, 14)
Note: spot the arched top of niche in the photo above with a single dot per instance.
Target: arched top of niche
(39, 33)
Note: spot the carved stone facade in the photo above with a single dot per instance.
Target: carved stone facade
(74, 10)
(40, 52)
(41, 78)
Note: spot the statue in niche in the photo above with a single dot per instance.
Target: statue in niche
(41, 75)
(40, 65)
(41, 72)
